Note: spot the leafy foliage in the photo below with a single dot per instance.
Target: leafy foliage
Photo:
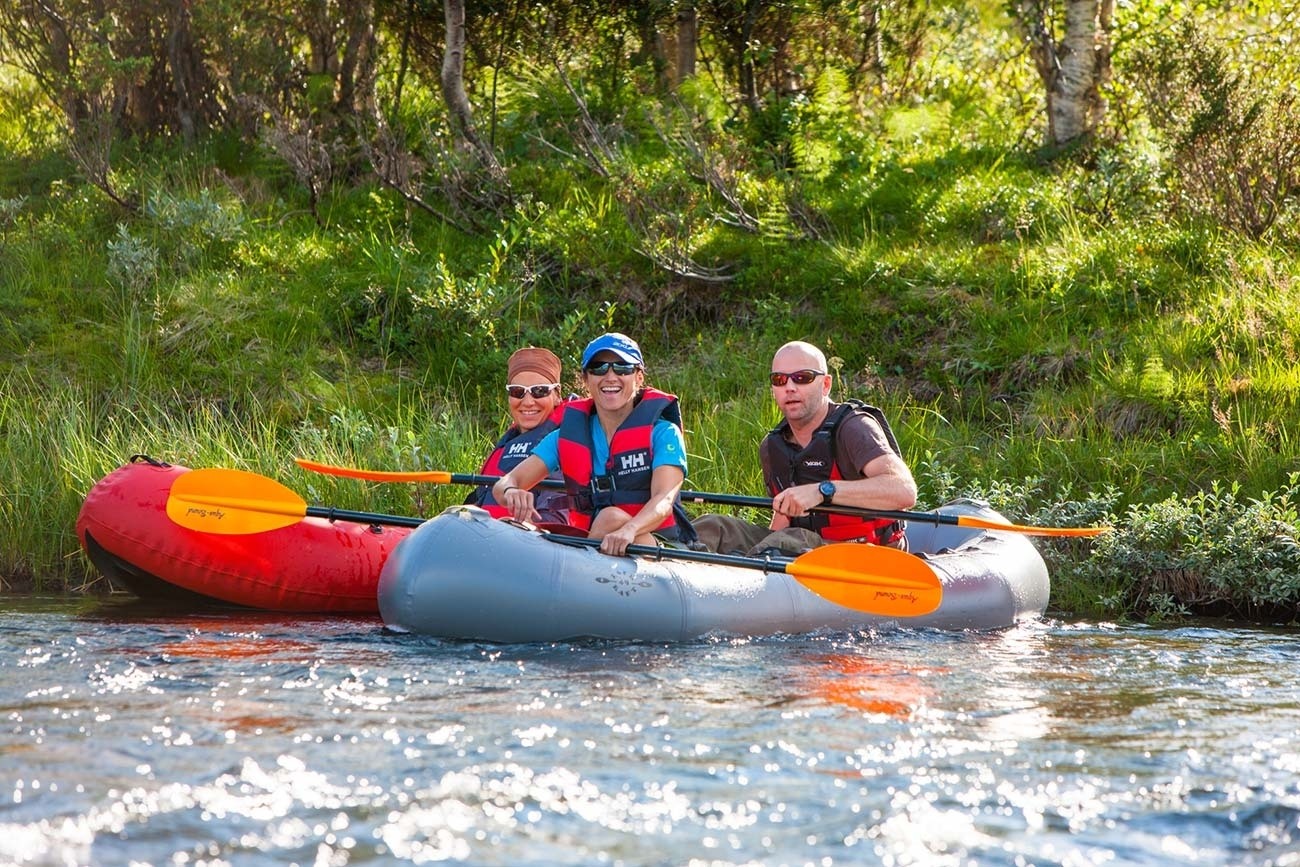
(1215, 552)
(1044, 330)
(1234, 136)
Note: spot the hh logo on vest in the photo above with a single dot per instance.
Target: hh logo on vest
(631, 462)
(518, 449)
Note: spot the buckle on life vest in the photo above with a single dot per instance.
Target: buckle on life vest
(600, 491)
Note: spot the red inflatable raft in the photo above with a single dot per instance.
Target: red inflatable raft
(313, 565)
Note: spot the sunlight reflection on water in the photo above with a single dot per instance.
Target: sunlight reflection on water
(256, 739)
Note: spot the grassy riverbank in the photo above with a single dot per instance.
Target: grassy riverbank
(1043, 333)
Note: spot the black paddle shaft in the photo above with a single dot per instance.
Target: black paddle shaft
(738, 500)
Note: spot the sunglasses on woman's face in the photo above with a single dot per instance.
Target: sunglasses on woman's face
(800, 377)
(604, 367)
(537, 391)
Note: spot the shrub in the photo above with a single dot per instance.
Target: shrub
(1209, 554)
(132, 262)
(1235, 141)
(191, 225)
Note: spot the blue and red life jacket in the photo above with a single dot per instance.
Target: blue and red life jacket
(625, 479)
(786, 465)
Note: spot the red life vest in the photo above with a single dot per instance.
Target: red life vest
(626, 476)
(508, 453)
(786, 465)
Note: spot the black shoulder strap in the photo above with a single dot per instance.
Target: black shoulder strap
(852, 405)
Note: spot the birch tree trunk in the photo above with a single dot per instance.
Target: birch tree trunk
(1074, 66)
(453, 89)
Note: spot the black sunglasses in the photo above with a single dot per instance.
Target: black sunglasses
(537, 391)
(622, 368)
(800, 377)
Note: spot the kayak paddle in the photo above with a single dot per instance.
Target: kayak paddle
(438, 477)
(901, 515)
(235, 502)
(433, 477)
(875, 580)
(867, 578)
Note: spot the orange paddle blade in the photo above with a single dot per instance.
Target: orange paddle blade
(437, 477)
(984, 524)
(870, 578)
(232, 502)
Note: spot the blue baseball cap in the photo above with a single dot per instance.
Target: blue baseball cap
(619, 344)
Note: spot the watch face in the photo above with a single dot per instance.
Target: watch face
(827, 489)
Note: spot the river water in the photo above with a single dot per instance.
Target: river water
(137, 735)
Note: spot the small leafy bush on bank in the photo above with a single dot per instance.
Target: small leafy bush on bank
(1215, 553)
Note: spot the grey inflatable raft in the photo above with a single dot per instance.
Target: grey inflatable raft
(466, 575)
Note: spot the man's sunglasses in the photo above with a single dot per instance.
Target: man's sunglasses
(622, 368)
(800, 377)
(537, 391)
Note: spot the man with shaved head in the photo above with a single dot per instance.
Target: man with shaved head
(822, 453)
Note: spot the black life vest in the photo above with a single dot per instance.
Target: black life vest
(786, 465)
(508, 453)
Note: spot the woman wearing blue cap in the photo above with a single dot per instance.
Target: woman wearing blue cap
(621, 451)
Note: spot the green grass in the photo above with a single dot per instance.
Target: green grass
(1042, 333)
(217, 331)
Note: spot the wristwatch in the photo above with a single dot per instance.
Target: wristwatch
(827, 490)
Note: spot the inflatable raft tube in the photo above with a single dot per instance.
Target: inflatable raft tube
(464, 575)
(314, 565)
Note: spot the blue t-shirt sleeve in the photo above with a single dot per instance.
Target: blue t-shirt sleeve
(549, 451)
(666, 440)
(668, 445)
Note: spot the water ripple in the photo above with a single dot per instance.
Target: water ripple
(256, 739)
